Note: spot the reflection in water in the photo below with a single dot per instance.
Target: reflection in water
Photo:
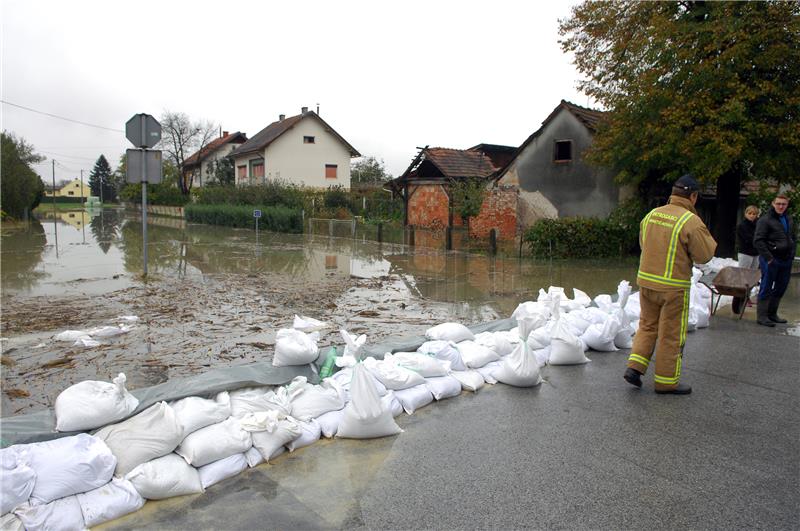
(104, 227)
(22, 246)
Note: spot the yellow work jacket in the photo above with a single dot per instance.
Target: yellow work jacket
(672, 238)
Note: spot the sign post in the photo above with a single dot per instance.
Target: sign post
(143, 164)
(256, 216)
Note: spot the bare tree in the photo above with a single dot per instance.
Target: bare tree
(181, 137)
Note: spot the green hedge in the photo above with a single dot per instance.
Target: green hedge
(157, 194)
(271, 193)
(273, 218)
(63, 199)
(589, 237)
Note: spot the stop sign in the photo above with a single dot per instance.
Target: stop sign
(143, 130)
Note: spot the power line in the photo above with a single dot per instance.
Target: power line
(62, 117)
(67, 156)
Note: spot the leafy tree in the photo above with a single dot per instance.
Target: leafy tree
(368, 171)
(101, 181)
(709, 88)
(21, 188)
(181, 137)
(467, 197)
(222, 170)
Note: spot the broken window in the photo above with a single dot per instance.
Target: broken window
(562, 151)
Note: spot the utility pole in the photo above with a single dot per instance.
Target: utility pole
(54, 186)
(81, 188)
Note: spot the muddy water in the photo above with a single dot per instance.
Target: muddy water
(216, 296)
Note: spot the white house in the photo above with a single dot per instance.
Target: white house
(301, 149)
(201, 164)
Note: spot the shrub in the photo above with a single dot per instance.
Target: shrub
(157, 194)
(273, 218)
(336, 197)
(271, 193)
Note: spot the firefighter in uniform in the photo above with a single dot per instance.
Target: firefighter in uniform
(672, 238)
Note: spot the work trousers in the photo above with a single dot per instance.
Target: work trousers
(774, 278)
(662, 327)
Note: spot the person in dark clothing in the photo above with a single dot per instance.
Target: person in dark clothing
(776, 243)
(745, 234)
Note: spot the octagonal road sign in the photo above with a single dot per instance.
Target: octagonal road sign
(143, 130)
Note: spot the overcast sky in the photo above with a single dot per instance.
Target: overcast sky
(387, 76)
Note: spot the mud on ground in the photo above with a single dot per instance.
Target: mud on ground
(189, 325)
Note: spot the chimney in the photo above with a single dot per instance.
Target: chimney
(224, 134)
(281, 117)
(303, 110)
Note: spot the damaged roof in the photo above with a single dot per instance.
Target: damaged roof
(273, 131)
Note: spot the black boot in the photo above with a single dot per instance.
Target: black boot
(680, 389)
(762, 309)
(772, 310)
(633, 377)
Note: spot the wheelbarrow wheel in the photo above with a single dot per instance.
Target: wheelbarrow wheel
(738, 305)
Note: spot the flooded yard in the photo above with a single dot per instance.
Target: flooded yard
(216, 296)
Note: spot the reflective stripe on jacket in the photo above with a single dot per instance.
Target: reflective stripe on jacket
(672, 238)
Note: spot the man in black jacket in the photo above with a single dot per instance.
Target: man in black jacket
(776, 243)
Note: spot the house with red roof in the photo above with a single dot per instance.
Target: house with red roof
(302, 149)
(202, 163)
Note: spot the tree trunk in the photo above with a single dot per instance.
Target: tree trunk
(728, 187)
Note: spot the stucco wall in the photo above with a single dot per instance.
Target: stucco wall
(568, 188)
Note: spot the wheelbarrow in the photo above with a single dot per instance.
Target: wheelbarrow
(734, 281)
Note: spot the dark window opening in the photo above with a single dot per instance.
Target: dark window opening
(563, 151)
(308, 140)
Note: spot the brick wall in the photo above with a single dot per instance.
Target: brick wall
(499, 211)
(428, 206)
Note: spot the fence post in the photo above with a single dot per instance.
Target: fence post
(380, 232)
(448, 238)
(353, 228)
(493, 242)
(411, 235)
(330, 228)
(521, 239)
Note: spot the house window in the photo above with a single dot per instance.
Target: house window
(241, 173)
(330, 171)
(71, 192)
(562, 151)
(76, 185)
(257, 171)
(308, 140)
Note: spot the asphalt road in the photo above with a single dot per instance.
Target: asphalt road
(582, 451)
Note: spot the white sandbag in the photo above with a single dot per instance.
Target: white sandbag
(542, 335)
(495, 341)
(531, 308)
(310, 433)
(594, 315)
(70, 335)
(228, 467)
(16, 478)
(253, 457)
(487, 372)
(601, 337)
(699, 301)
(391, 403)
(633, 309)
(154, 432)
(445, 351)
(256, 399)
(63, 514)
(11, 522)
(471, 379)
(392, 376)
(565, 347)
(271, 443)
(310, 401)
(475, 355)
(86, 342)
(423, 364)
(567, 305)
(581, 297)
(67, 466)
(442, 387)
(329, 422)
(307, 324)
(293, 347)
(352, 347)
(542, 355)
(367, 415)
(90, 404)
(165, 477)
(194, 412)
(512, 336)
(260, 421)
(624, 336)
(215, 442)
(345, 376)
(576, 322)
(414, 398)
(520, 368)
(109, 331)
(604, 302)
(449, 332)
(114, 499)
